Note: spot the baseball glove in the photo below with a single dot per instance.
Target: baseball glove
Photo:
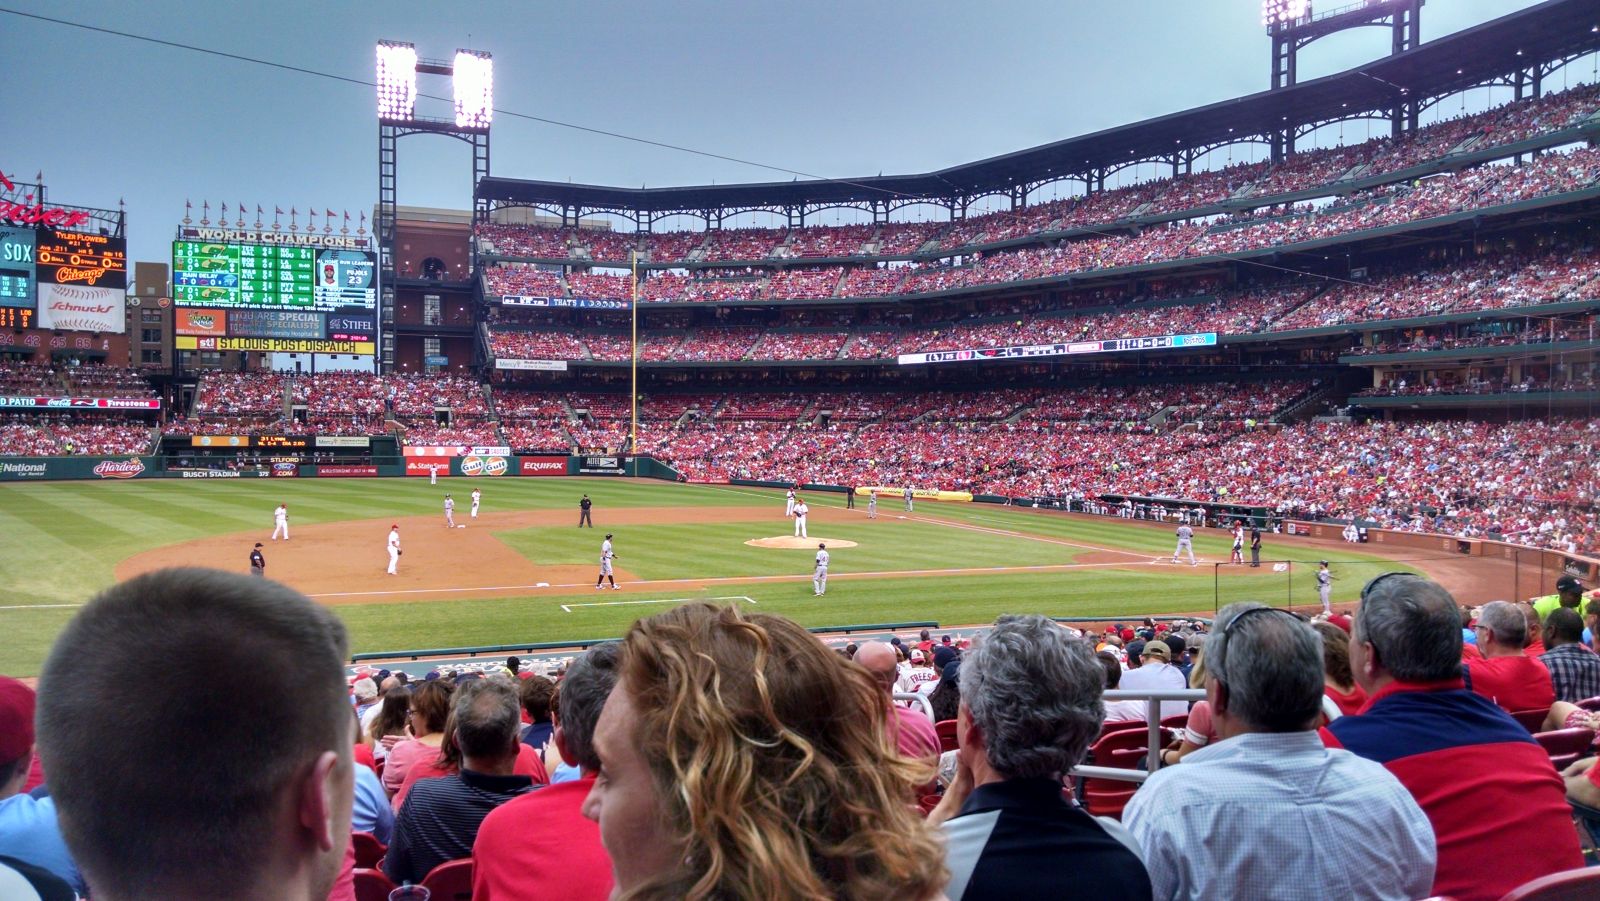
(399, 553)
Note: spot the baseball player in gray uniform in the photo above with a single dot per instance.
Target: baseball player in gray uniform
(1185, 545)
(606, 556)
(477, 498)
(872, 504)
(1324, 586)
(908, 498)
(449, 512)
(819, 579)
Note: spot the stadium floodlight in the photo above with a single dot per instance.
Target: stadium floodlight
(473, 80)
(397, 80)
(1283, 12)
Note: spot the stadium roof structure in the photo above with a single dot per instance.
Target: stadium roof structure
(1517, 49)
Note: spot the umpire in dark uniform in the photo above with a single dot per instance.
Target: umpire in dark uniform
(583, 515)
(850, 498)
(258, 563)
(1255, 546)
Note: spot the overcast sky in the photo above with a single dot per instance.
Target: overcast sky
(827, 88)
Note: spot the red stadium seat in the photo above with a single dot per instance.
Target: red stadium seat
(1572, 885)
(372, 885)
(450, 881)
(1121, 749)
(368, 849)
(1175, 722)
(1531, 720)
(946, 730)
(1565, 746)
(1590, 703)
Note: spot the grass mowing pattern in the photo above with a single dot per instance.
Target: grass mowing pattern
(65, 539)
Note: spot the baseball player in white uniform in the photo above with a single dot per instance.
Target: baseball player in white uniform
(788, 503)
(1238, 544)
(819, 579)
(449, 512)
(1185, 545)
(606, 556)
(394, 547)
(800, 511)
(1324, 586)
(433, 475)
(477, 497)
(872, 504)
(280, 522)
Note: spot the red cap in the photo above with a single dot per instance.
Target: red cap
(16, 719)
(1342, 621)
(1127, 634)
(395, 526)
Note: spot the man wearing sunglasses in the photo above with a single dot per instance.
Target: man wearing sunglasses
(1478, 775)
(1269, 798)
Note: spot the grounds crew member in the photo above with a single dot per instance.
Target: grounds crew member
(1569, 593)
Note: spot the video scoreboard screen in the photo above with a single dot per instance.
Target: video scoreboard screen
(18, 282)
(274, 293)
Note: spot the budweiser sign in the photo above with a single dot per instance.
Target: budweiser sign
(29, 213)
(119, 469)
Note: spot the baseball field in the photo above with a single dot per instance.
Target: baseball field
(523, 572)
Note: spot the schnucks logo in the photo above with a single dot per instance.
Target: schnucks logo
(484, 466)
(119, 469)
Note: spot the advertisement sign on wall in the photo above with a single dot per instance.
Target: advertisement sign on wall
(82, 308)
(483, 466)
(330, 471)
(212, 323)
(542, 466)
(422, 466)
(538, 365)
(343, 441)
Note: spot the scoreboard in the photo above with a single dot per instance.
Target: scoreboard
(272, 277)
(246, 291)
(18, 281)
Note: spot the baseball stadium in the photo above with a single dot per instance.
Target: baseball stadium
(1263, 351)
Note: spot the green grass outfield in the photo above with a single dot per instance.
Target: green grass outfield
(63, 540)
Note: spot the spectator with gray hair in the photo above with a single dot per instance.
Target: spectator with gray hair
(1505, 674)
(440, 817)
(1270, 799)
(1030, 706)
(533, 844)
(1478, 775)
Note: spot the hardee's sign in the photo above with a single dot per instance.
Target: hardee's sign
(29, 213)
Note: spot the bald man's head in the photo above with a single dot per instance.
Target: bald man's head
(879, 659)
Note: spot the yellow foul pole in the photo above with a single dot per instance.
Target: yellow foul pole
(633, 439)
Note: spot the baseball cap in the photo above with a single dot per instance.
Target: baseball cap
(608, 536)
(1125, 634)
(1134, 649)
(1342, 621)
(1158, 649)
(394, 526)
(1175, 644)
(1322, 562)
(945, 640)
(1568, 583)
(952, 672)
(942, 655)
(258, 544)
(916, 655)
(16, 719)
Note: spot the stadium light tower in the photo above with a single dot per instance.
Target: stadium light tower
(471, 74)
(1293, 24)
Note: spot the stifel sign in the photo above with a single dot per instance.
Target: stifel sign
(29, 213)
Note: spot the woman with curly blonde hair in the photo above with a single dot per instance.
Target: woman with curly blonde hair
(742, 759)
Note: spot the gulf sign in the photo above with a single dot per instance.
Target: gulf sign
(542, 466)
(484, 466)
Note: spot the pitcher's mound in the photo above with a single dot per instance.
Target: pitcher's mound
(793, 543)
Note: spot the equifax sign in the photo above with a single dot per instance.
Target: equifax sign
(29, 213)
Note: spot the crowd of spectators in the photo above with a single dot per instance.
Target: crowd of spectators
(64, 436)
(540, 345)
(804, 284)
(94, 380)
(828, 241)
(527, 281)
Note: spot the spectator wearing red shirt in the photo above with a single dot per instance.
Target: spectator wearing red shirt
(911, 730)
(1338, 683)
(541, 844)
(1476, 773)
(1506, 675)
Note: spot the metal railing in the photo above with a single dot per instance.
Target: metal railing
(922, 701)
(1153, 731)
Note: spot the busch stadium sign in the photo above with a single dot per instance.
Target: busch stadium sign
(1062, 349)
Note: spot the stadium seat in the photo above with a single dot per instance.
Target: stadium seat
(1565, 746)
(1531, 720)
(1121, 749)
(368, 849)
(1121, 726)
(1175, 722)
(450, 881)
(946, 730)
(1571, 885)
(1590, 703)
(372, 885)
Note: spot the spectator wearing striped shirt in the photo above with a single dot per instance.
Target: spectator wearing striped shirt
(1574, 667)
(440, 817)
